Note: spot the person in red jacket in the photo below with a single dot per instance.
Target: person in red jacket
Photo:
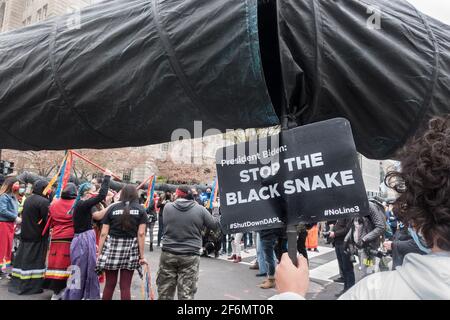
(61, 224)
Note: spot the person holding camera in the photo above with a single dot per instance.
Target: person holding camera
(364, 237)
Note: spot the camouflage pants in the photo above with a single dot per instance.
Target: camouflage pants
(177, 272)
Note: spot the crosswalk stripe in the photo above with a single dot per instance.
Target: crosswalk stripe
(325, 271)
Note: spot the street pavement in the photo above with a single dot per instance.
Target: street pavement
(221, 279)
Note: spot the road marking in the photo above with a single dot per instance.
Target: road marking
(325, 271)
(231, 297)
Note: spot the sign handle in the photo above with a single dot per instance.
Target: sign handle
(292, 243)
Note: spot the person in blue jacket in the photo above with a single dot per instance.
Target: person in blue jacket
(9, 211)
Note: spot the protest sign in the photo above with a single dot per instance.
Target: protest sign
(306, 174)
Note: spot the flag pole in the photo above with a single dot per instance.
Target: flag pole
(93, 163)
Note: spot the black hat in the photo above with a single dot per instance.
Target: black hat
(69, 192)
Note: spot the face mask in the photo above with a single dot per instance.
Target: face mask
(22, 191)
(418, 239)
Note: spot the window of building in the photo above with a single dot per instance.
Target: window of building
(165, 147)
(126, 177)
(2, 14)
(39, 15)
(28, 20)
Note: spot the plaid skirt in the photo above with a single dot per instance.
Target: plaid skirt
(119, 253)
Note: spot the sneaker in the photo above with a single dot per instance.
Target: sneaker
(233, 257)
(9, 277)
(58, 296)
(316, 250)
(340, 280)
(237, 260)
(268, 284)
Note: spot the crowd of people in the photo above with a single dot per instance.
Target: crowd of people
(91, 234)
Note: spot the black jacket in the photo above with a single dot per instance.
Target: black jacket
(34, 214)
(82, 213)
(374, 226)
(402, 244)
(341, 229)
(151, 213)
(272, 234)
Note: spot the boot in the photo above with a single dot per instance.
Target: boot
(269, 283)
(237, 260)
(233, 257)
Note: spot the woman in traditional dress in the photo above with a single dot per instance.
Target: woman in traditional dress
(61, 225)
(29, 262)
(122, 243)
(83, 282)
(9, 210)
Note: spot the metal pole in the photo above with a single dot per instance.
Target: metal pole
(291, 230)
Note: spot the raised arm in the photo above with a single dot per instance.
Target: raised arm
(211, 221)
(103, 192)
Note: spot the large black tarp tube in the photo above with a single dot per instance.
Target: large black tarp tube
(130, 73)
(117, 186)
(381, 64)
(28, 177)
(136, 70)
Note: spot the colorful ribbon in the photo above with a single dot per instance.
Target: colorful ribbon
(213, 193)
(150, 191)
(53, 180)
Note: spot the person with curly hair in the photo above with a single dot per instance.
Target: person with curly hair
(423, 186)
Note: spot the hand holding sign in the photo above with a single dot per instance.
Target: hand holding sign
(307, 174)
(290, 278)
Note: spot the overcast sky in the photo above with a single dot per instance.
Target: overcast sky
(439, 9)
